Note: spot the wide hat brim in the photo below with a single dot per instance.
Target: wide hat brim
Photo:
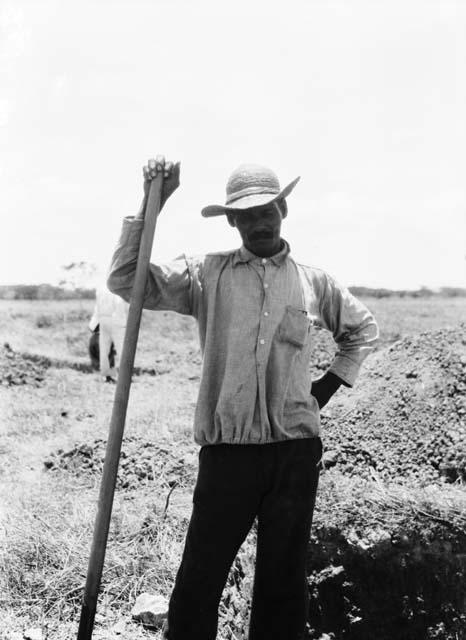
(249, 201)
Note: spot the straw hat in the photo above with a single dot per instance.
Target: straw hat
(250, 185)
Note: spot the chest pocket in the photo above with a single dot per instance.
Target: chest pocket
(294, 327)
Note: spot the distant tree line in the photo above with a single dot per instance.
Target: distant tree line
(77, 283)
(43, 292)
(53, 292)
(423, 292)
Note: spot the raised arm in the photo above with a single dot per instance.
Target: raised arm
(169, 286)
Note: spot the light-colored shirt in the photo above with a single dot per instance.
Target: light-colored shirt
(109, 308)
(254, 317)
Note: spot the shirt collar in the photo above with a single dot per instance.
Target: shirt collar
(243, 255)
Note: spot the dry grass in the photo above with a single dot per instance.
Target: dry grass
(47, 536)
(445, 505)
(59, 329)
(369, 506)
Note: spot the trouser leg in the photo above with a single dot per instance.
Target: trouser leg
(279, 607)
(118, 335)
(225, 503)
(94, 349)
(105, 341)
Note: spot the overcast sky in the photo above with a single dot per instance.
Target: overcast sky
(365, 100)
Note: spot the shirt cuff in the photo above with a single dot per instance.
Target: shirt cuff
(346, 369)
(131, 228)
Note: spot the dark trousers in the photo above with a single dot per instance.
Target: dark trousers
(275, 482)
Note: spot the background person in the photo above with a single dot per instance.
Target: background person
(93, 346)
(108, 324)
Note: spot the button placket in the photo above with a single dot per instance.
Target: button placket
(266, 286)
(265, 303)
(262, 347)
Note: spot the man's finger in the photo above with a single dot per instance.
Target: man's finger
(168, 169)
(152, 163)
(160, 163)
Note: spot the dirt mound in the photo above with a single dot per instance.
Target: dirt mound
(409, 417)
(16, 370)
(323, 350)
(141, 462)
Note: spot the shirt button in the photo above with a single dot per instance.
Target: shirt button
(264, 260)
(266, 286)
(266, 313)
(262, 341)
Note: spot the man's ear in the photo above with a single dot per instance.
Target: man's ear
(231, 219)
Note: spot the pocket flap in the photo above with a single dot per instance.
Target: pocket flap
(294, 327)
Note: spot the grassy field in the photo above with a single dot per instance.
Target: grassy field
(59, 329)
(47, 516)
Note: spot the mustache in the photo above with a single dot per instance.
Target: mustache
(261, 234)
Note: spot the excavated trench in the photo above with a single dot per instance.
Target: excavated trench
(402, 589)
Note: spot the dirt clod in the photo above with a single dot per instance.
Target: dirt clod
(17, 370)
(141, 462)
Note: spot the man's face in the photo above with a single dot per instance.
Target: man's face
(259, 228)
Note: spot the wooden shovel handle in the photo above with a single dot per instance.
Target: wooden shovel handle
(117, 423)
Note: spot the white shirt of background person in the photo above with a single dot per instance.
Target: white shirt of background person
(111, 313)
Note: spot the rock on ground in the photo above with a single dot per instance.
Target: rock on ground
(150, 609)
(33, 634)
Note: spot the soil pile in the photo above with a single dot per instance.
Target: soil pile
(17, 370)
(409, 418)
(322, 351)
(141, 462)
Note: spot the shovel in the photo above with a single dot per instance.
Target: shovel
(117, 422)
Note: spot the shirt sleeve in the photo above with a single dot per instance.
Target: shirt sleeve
(169, 286)
(353, 326)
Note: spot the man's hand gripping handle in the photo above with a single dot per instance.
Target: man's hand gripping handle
(157, 170)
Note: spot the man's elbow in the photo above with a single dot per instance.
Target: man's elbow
(365, 337)
(112, 283)
(115, 285)
(373, 333)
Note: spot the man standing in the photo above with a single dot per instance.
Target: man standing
(257, 415)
